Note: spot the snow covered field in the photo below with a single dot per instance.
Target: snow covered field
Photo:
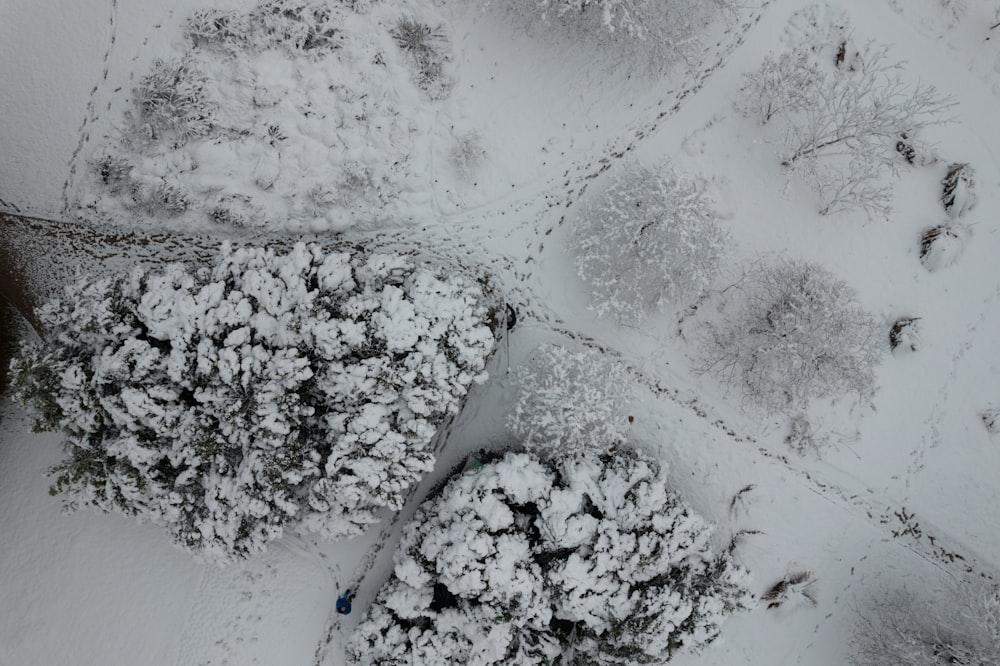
(905, 495)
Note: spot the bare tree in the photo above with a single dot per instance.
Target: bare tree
(792, 332)
(841, 124)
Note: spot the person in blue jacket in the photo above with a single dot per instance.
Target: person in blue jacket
(344, 603)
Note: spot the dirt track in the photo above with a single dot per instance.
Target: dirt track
(38, 256)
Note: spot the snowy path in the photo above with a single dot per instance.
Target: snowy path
(91, 111)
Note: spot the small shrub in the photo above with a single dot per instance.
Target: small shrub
(739, 538)
(802, 437)
(915, 152)
(569, 561)
(234, 211)
(218, 28)
(904, 336)
(299, 27)
(799, 585)
(943, 245)
(171, 99)
(161, 197)
(900, 628)
(357, 186)
(991, 419)
(115, 173)
(958, 190)
(741, 499)
(847, 56)
(468, 154)
(428, 49)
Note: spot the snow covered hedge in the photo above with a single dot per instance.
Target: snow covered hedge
(526, 562)
(271, 391)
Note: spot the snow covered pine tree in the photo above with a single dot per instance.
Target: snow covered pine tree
(521, 561)
(272, 391)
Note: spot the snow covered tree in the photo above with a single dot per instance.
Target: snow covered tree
(658, 33)
(629, 16)
(583, 561)
(570, 401)
(651, 238)
(902, 629)
(791, 332)
(840, 124)
(638, 19)
(270, 391)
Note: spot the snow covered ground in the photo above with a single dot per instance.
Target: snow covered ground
(906, 494)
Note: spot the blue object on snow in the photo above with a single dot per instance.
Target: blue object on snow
(344, 603)
(511, 318)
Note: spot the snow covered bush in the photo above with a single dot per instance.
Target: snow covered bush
(650, 239)
(798, 585)
(653, 32)
(791, 332)
(943, 245)
(171, 103)
(582, 561)
(914, 151)
(429, 51)
(840, 123)
(300, 28)
(468, 154)
(570, 401)
(904, 335)
(284, 116)
(958, 190)
(899, 628)
(268, 392)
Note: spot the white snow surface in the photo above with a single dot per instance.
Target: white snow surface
(905, 495)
